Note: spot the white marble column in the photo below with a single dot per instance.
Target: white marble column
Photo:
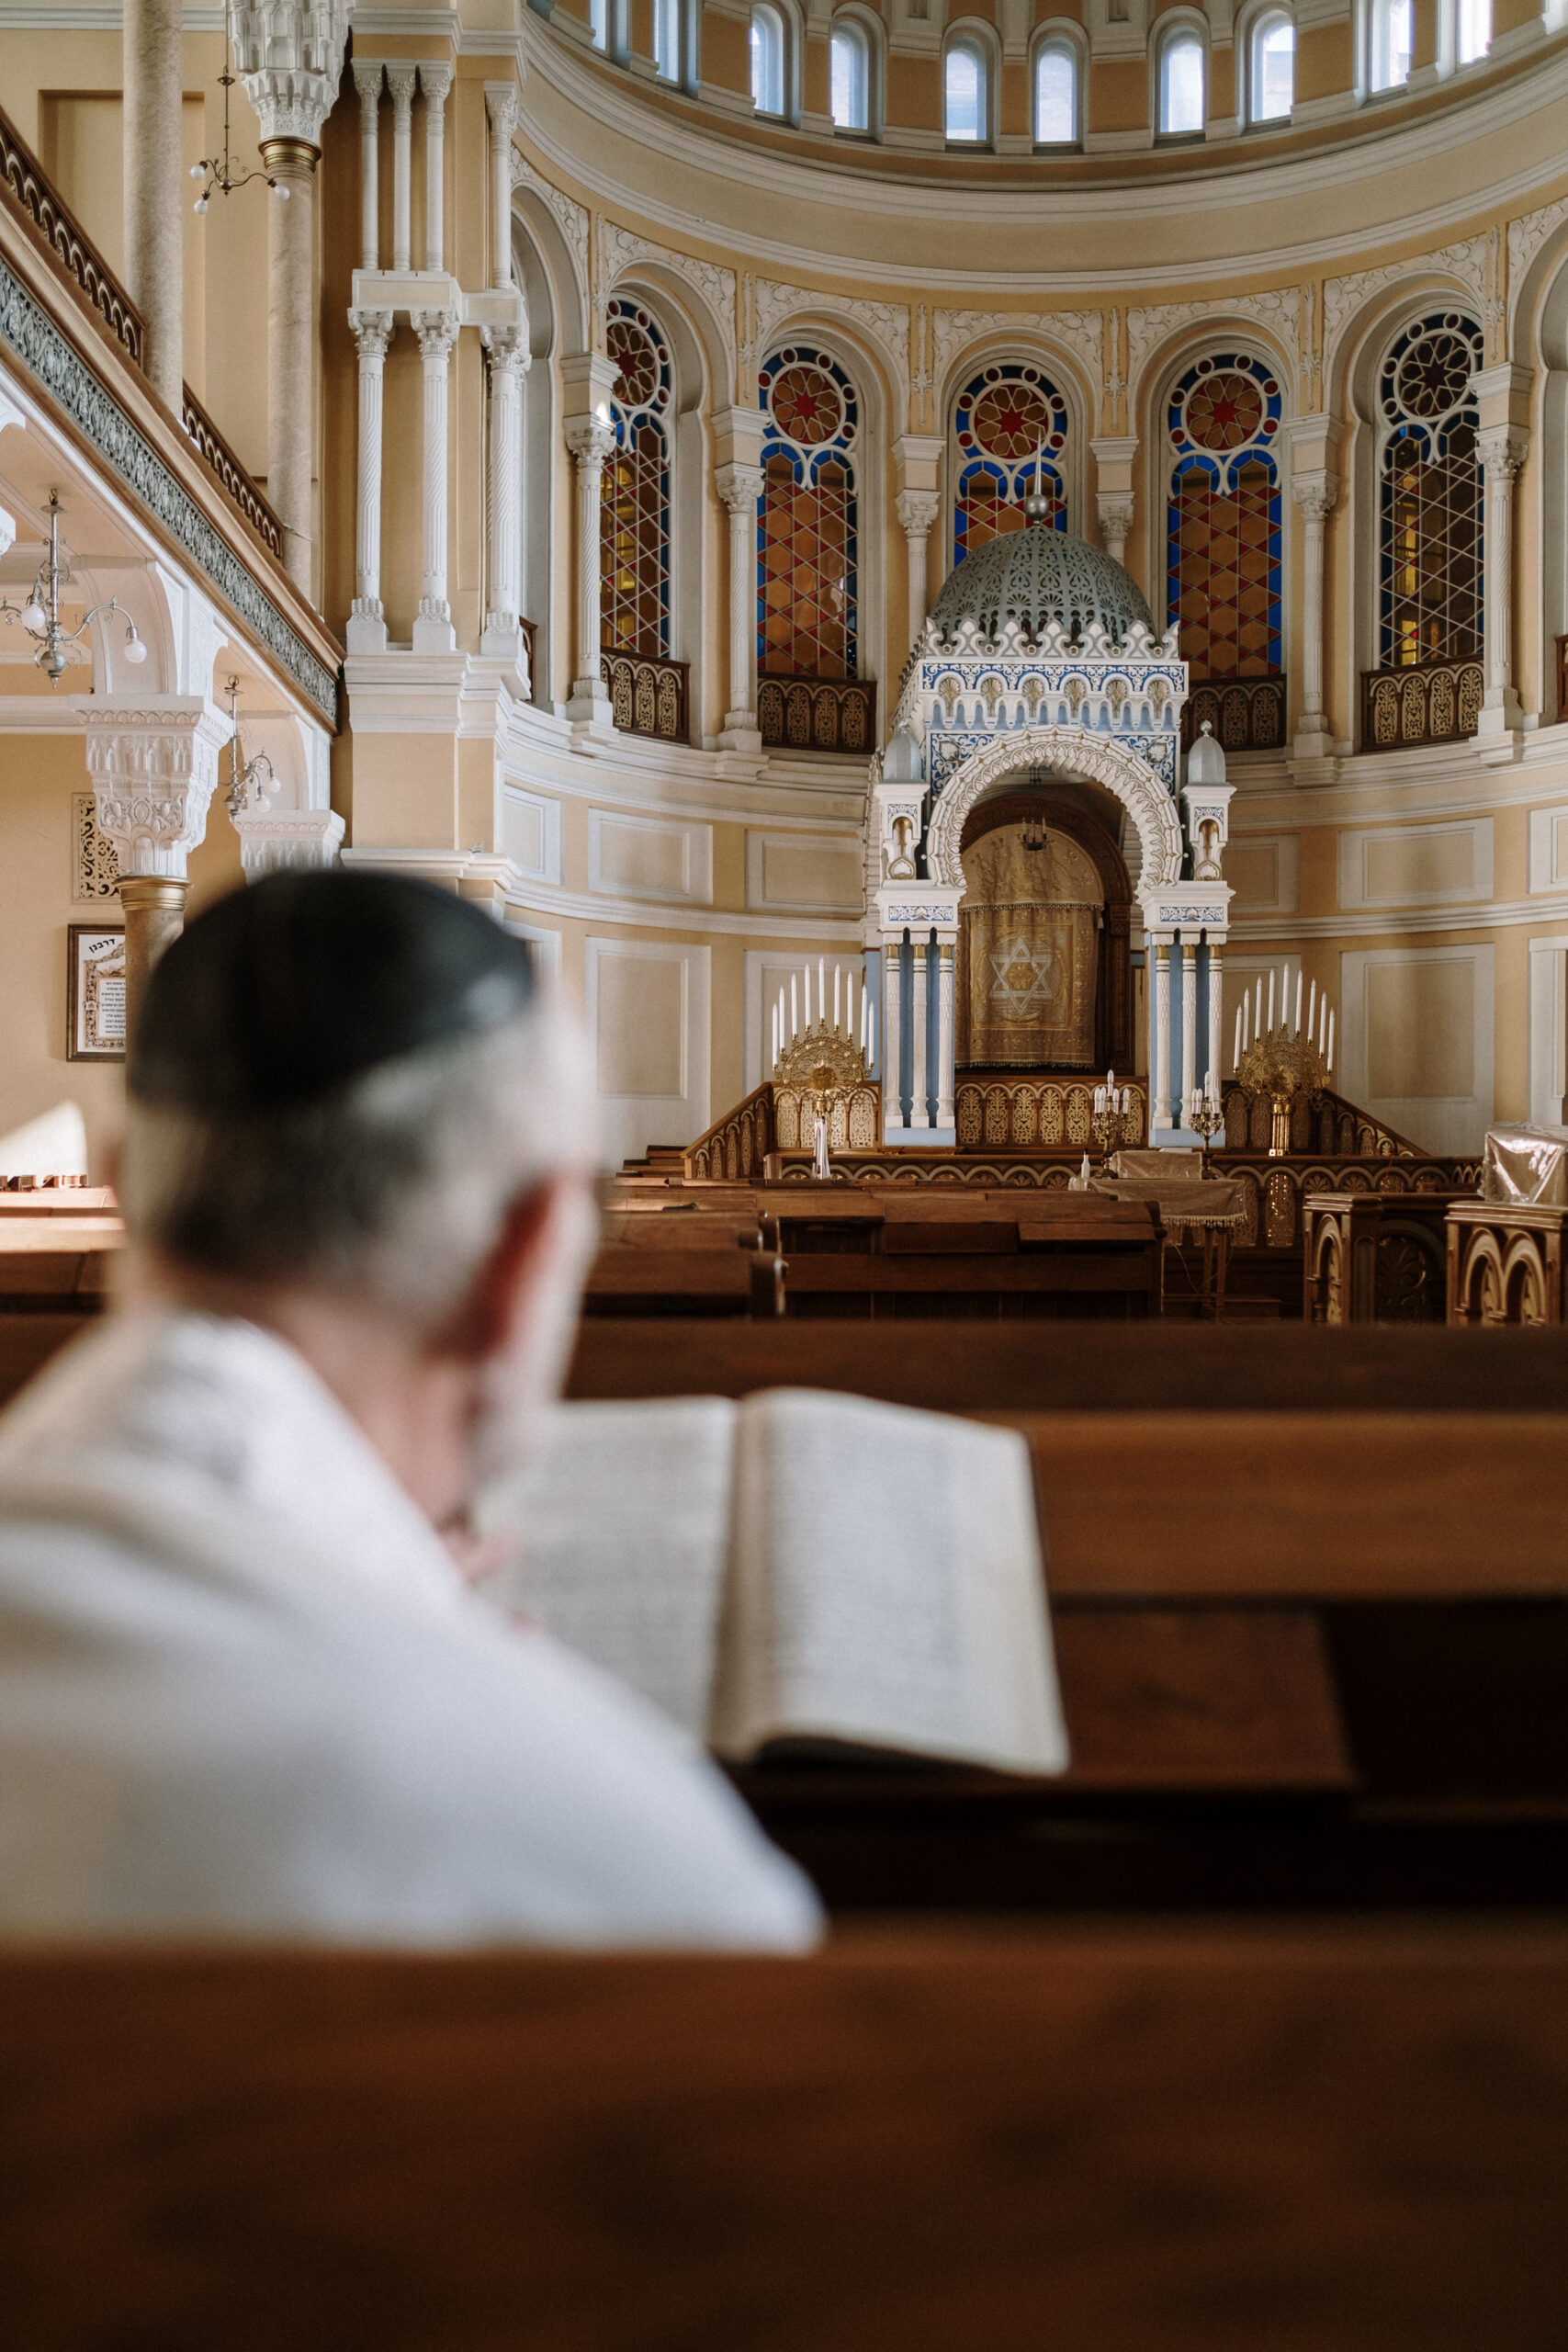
(152, 761)
(919, 1115)
(1188, 1024)
(1115, 512)
(946, 1116)
(153, 192)
(1503, 449)
(740, 487)
(401, 77)
(1159, 1076)
(591, 440)
(368, 78)
(434, 81)
(508, 349)
(372, 331)
(500, 106)
(1314, 495)
(890, 1031)
(433, 631)
(1216, 1016)
(916, 513)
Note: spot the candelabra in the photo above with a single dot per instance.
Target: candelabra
(246, 776)
(1285, 1062)
(1206, 1117)
(1113, 1120)
(822, 1059)
(218, 171)
(41, 615)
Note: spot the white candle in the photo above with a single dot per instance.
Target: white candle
(1258, 1015)
(864, 1001)
(793, 1009)
(1111, 1078)
(1298, 1021)
(774, 1025)
(1311, 1012)
(1285, 994)
(1270, 1004)
(1246, 1018)
(871, 1049)
(822, 991)
(1098, 1101)
(1331, 1044)
(1208, 1086)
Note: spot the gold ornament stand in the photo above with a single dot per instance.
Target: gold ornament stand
(826, 1066)
(1286, 1068)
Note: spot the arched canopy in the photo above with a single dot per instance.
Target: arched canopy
(1071, 750)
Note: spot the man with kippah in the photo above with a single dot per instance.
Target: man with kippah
(243, 1690)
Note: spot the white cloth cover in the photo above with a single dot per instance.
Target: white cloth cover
(243, 1692)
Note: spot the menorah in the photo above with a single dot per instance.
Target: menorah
(822, 1057)
(1113, 1120)
(1284, 1062)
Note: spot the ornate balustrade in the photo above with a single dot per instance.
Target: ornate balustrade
(647, 694)
(1437, 702)
(212, 447)
(735, 1147)
(1004, 1114)
(1334, 1128)
(56, 227)
(1247, 714)
(1507, 1263)
(816, 714)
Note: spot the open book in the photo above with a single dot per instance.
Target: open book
(796, 1567)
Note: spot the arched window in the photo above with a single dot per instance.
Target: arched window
(1473, 31)
(667, 40)
(807, 530)
(599, 22)
(1273, 69)
(966, 106)
(1392, 32)
(1223, 537)
(1011, 427)
(634, 509)
(850, 76)
(767, 59)
(1181, 78)
(1429, 546)
(1056, 94)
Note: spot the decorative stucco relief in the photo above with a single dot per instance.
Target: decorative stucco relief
(1343, 297)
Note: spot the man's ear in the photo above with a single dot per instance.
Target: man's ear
(537, 1228)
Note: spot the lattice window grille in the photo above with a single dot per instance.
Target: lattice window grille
(808, 524)
(1010, 428)
(95, 862)
(1429, 507)
(634, 509)
(1224, 516)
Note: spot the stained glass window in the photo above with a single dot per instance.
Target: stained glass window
(808, 556)
(1223, 538)
(1429, 508)
(1010, 425)
(634, 510)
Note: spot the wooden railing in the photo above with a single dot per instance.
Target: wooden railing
(647, 694)
(1435, 702)
(735, 1147)
(1247, 714)
(1334, 1126)
(56, 227)
(1034, 1114)
(212, 447)
(816, 714)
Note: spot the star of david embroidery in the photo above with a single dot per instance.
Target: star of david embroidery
(1024, 977)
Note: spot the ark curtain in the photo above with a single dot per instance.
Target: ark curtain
(1027, 954)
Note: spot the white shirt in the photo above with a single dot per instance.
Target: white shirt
(244, 1693)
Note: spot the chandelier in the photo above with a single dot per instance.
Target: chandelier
(218, 171)
(246, 776)
(41, 615)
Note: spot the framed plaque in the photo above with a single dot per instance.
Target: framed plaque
(95, 993)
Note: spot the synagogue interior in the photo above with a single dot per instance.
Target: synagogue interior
(985, 585)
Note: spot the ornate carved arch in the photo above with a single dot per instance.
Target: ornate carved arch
(1073, 750)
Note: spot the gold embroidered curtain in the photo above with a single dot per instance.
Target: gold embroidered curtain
(1027, 954)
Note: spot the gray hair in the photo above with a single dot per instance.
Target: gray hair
(395, 1187)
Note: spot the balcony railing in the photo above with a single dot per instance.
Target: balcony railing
(212, 447)
(1247, 714)
(55, 225)
(816, 714)
(647, 695)
(1437, 702)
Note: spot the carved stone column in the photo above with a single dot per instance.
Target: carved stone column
(1503, 451)
(1189, 1024)
(433, 631)
(591, 440)
(739, 487)
(434, 81)
(153, 765)
(500, 106)
(1114, 457)
(152, 195)
(368, 78)
(1216, 1014)
(508, 349)
(1314, 495)
(367, 621)
(1115, 511)
(916, 513)
(401, 77)
(1159, 1072)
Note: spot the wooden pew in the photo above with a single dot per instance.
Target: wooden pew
(1231, 2139)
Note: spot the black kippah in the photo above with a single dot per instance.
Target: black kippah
(302, 982)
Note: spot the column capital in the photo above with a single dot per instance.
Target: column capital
(500, 106)
(739, 487)
(403, 76)
(437, 332)
(299, 841)
(372, 331)
(290, 59)
(1502, 450)
(1314, 493)
(368, 76)
(918, 510)
(507, 345)
(153, 764)
(434, 81)
(591, 440)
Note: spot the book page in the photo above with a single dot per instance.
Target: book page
(885, 1586)
(622, 1529)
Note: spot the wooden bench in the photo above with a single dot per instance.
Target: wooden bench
(1215, 2139)
(1375, 1257)
(1507, 1263)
